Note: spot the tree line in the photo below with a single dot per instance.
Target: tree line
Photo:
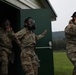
(59, 44)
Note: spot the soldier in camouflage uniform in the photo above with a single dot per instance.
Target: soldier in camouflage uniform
(29, 59)
(70, 33)
(6, 38)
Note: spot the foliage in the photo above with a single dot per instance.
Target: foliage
(58, 35)
(59, 45)
(59, 41)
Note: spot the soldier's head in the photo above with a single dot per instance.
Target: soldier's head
(29, 23)
(74, 15)
(74, 18)
(6, 23)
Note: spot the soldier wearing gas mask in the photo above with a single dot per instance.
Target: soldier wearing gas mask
(30, 24)
(70, 34)
(6, 38)
(29, 59)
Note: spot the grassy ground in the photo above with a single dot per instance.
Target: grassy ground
(62, 65)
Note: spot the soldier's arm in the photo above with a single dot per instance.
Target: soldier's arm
(70, 30)
(20, 33)
(41, 35)
(14, 38)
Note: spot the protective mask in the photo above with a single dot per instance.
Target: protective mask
(31, 24)
(31, 27)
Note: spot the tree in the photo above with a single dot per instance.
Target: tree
(59, 44)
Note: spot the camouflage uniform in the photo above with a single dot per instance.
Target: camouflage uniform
(6, 38)
(70, 33)
(29, 59)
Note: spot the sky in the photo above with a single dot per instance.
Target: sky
(64, 10)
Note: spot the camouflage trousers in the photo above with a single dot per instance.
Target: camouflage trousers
(3, 63)
(29, 61)
(71, 53)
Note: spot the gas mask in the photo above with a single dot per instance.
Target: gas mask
(6, 25)
(31, 24)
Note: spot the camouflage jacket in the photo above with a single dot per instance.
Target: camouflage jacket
(27, 37)
(70, 32)
(6, 38)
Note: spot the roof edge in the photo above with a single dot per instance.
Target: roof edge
(51, 7)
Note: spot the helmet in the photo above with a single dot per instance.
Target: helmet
(29, 20)
(74, 14)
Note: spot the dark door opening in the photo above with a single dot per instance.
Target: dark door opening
(7, 11)
(13, 14)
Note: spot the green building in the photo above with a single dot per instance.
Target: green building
(43, 12)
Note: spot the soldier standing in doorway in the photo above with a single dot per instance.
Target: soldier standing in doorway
(29, 59)
(70, 33)
(6, 38)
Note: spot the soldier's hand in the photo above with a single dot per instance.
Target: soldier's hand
(44, 32)
(70, 26)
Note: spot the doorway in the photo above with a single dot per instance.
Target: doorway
(13, 14)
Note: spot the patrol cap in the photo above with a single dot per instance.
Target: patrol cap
(74, 14)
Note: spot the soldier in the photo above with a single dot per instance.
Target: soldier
(29, 59)
(70, 33)
(6, 38)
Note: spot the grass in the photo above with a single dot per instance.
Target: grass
(62, 65)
